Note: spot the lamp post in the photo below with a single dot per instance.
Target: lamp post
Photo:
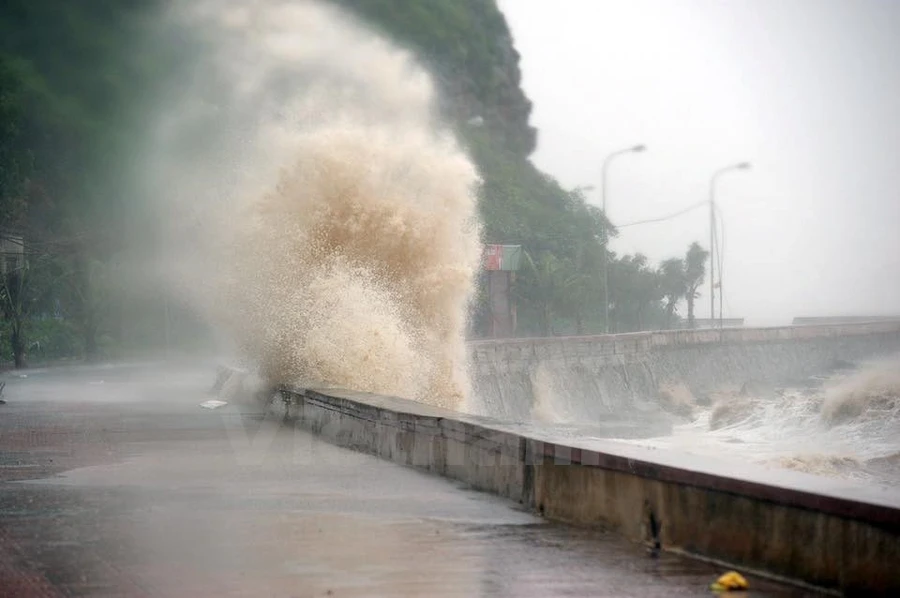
(628, 150)
(712, 232)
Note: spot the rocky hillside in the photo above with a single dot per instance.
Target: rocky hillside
(467, 46)
(77, 80)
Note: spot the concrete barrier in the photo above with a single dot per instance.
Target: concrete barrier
(804, 528)
(801, 527)
(600, 374)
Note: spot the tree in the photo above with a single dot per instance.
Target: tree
(673, 284)
(24, 289)
(73, 82)
(636, 295)
(468, 48)
(15, 157)
(694, 273)
(547, 281)
(76, 80)
(14, 304)
(86, 297)
(582, 297)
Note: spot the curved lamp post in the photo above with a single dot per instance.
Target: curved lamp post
(712, 229)
(628, 150)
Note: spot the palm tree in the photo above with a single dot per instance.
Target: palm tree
(544, 285)
(636, 294)
(673, 283)
(694, 273)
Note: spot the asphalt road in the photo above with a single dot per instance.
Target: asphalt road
(114, 482)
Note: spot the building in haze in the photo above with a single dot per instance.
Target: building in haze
(12, 252)
(501, 263)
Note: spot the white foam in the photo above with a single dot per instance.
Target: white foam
(329, 225)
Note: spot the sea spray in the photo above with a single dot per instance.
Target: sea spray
(847, 425)
(320, 213)
(871, 393)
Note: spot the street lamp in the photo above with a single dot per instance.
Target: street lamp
(628, 150)
(712, 229)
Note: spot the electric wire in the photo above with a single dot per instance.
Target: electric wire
(664, 218)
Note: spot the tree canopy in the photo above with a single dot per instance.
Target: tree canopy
(76, 80)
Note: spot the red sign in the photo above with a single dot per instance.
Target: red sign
(493, 257)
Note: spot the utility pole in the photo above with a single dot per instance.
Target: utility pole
(629, 150)
(712, 241)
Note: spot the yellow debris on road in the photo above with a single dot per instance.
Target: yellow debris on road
(730, 581)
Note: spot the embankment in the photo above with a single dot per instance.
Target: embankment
(588, 378)
(792, 525)
(827, 533)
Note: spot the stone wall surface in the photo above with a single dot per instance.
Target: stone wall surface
(598, 374)
(810, 529)
(801, 527)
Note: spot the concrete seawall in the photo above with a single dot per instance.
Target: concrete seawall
(600, 374)
(784, 523)
(818, 531)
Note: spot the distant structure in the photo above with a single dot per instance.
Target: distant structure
(707, 323)
(814, 321)
(12, 252)
(501, 263)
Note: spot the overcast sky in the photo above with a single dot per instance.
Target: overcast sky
(806, 90)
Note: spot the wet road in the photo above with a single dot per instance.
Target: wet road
(113, 482)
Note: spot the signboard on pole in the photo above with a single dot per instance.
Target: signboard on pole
(503, 258)
(501, 263)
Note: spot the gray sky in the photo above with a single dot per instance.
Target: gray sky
(806, 90)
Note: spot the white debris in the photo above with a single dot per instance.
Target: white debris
(213, 404)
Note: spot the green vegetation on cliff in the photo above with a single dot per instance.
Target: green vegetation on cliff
(75, 80)
(73, 87)
(468, 47)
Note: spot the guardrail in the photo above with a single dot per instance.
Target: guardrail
(708, 335)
